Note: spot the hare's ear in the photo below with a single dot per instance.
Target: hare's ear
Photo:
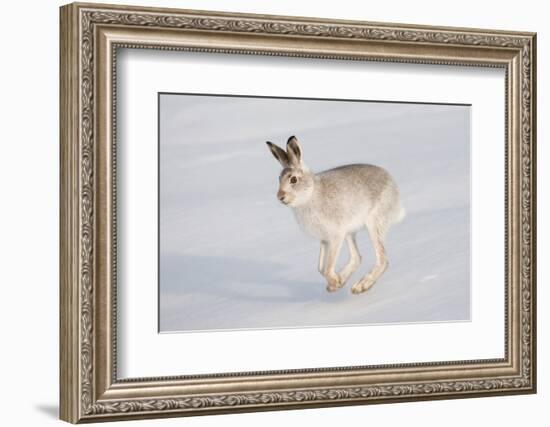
(294, 151)
(279, 154)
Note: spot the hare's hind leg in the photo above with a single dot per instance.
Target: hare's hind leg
(322, 253)
(354, 259)
(332, 249)
(376, 233)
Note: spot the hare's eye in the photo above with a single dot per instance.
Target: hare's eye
(293, 180)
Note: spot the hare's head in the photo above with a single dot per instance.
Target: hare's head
(295, 181)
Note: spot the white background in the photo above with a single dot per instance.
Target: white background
(29, 219)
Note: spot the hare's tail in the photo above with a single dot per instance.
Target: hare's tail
(401, 213)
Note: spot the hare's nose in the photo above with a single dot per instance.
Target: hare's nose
(281, 195)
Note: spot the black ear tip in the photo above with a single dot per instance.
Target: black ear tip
(269, 143)
(290, 139)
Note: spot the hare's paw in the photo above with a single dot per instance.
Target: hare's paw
(335, 282)
(363, 285)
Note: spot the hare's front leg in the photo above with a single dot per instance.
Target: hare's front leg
(333, 279)
(354, 259)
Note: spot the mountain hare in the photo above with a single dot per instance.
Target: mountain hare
(333, 205)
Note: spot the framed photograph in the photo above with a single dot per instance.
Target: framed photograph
(266, 212)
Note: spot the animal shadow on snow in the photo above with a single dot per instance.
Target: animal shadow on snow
(237, 278)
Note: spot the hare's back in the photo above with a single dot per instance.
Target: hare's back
(357, 180)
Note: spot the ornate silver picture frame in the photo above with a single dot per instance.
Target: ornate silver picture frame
(91, 37)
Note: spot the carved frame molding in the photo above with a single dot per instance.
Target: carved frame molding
(90, 36)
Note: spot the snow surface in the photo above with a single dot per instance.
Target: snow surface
(233, 257)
